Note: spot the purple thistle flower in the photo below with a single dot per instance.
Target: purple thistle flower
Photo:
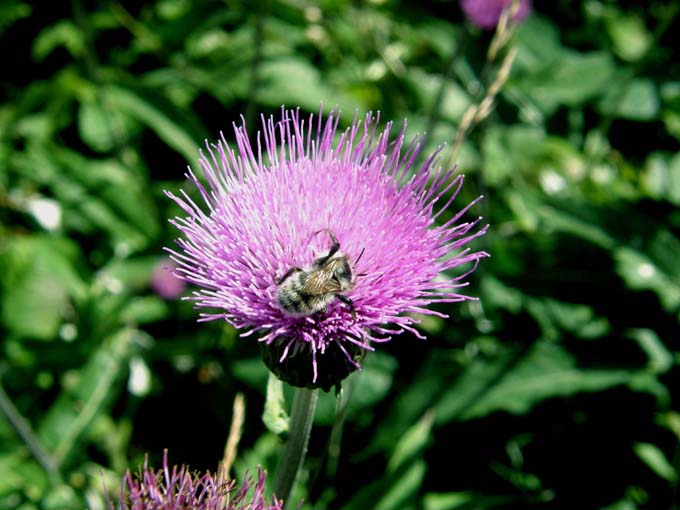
(486, 13)
(271, 215)
(181, 489)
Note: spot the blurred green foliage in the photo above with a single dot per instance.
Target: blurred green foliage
(553, 391)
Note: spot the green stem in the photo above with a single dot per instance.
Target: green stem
(22, 427)
(290, 464)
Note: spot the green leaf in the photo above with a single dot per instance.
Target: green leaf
(367, 387)
(374, 381)
(656, 179)
(673, 193)
(629, 35)
(133, 272)
(58, 498)
(21, 474)
(251, 371)
(11, 12)
(462, 501)
(441, 35)
(515, 382)
(659, 358)
(89, 393)
(554, 316)
(640, 272)
(401, 493)
(569, 79)
(454, 100)
(39, 279)
(94, 126)
(412, 443)
(65, 34)
(538, 42)
(159, 118)
(144, 310)
(398, 486)
(656, 460)
(670, 96)
(637, 99)
(96, 194)
(448, 500)
(275, 417)
(415, 399)
(498, 294)
(509, 150)
(559, 220)
(294, 81)
(622, 504)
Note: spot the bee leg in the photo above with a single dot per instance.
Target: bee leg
(288, 273)
(334, 248)
(349, 303)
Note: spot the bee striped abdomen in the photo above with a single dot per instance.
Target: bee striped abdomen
(294, 298)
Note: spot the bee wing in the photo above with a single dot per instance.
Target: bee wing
(321, 283)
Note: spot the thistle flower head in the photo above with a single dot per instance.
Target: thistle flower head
(180, 489)
(486, 13)
(322, 246)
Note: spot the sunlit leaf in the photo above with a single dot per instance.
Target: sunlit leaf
(462, 501)
(629, 34)
(651, 455)
(412, 442)
(635, 100)
(659, 357)
(65, 34)
(402, 491)
(22, 475)
(275, 417)
(39, 280)
(95, 126)
(640, 272)
(144, 310)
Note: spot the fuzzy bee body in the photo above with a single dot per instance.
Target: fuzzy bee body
(307, 291)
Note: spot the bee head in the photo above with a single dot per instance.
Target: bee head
(343, 273)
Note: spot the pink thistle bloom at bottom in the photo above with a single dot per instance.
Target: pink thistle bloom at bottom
(486, 13)
(322, 242)
(180, 489)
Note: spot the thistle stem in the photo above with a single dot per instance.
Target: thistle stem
(290, 464)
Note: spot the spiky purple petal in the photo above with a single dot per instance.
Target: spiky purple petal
(181, 489)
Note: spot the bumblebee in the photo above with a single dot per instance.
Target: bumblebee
(310, 290)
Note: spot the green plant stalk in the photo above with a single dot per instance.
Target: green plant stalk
(23, 429)
(290, 464)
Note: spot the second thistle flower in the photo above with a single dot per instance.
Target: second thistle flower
(322, 247)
